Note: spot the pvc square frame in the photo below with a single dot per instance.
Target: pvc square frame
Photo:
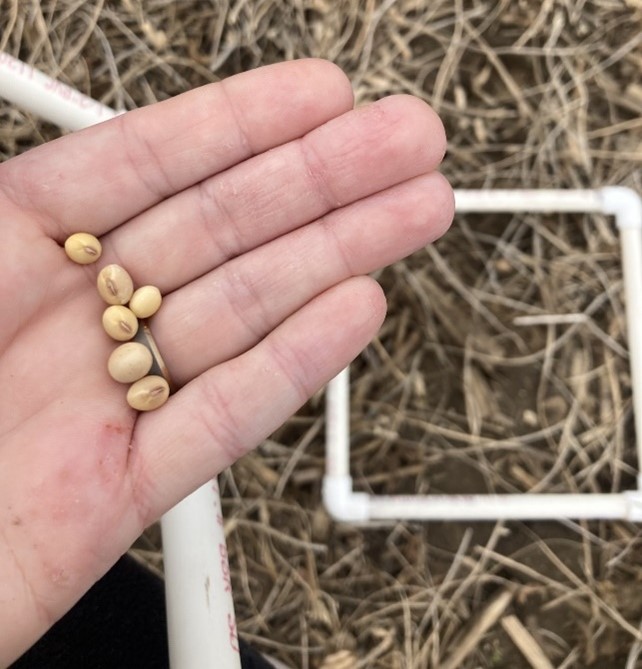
(345, 504)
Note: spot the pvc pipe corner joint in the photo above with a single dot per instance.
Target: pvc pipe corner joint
(342, 503)
(624, 204)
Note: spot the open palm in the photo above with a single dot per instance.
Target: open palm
(256, 205)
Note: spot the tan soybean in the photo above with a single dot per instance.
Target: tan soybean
(148, 394)
(129, 362)
(115, 285)
(145, 301)
(83, 248)
(120, 323)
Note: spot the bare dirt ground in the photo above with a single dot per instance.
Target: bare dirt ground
(461, 392)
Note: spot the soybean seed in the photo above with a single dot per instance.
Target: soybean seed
(145, 301)
(115, 285)
(120, 323)
(129, 362)
(148, 394)
(83, 248)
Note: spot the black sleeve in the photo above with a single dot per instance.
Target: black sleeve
(119, 624)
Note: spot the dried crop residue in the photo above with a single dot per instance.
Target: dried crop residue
(502, 365)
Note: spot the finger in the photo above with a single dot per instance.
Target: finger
(232, 308)
(228, 410)
(95, 179)
(350, 157)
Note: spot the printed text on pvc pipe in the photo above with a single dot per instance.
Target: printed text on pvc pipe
(59, 89)
(225, 574)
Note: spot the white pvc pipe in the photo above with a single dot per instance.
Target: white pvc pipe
(520, 199)
(345, 504)
(201, 622)
(626, 205)
(35, 92)
(338, 429)
(198, 587)
(495, 507)
(631, 245)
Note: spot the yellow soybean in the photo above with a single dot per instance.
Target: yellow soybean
(83, 248)
(145, 301)
(129, 362)
(148, 394)
(120, 323)
(115, 285)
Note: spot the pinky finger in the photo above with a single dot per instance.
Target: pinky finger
(231, 408)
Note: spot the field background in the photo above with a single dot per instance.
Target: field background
(475, 383)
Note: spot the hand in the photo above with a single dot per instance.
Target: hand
(256, 205)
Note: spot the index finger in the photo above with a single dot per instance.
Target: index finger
(98, 178)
